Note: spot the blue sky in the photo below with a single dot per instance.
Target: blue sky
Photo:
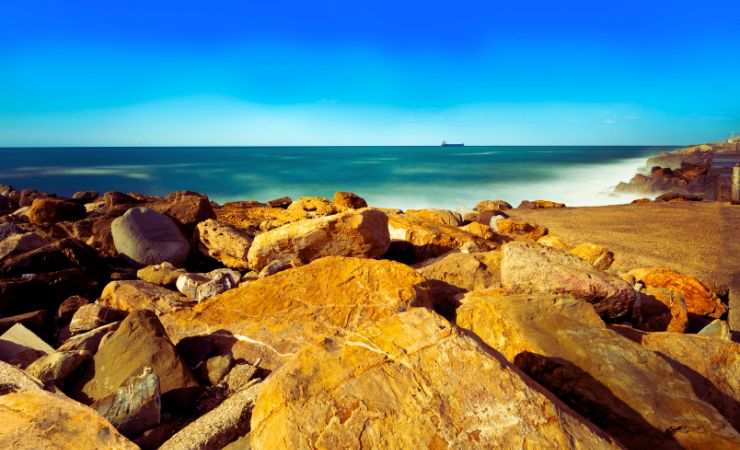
(280, 72)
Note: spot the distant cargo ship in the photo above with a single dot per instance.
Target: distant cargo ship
(446, 144)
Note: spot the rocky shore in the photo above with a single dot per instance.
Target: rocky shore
(691, 173)
(134, 321)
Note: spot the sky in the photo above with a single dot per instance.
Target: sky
(380, 72)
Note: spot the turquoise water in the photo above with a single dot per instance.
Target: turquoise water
(451, 177)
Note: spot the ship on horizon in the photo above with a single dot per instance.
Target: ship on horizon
(446, 144)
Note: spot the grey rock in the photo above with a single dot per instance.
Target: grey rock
(135, 406)
(148, 237)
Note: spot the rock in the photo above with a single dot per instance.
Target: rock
(553, 241)
(678, 197)
(20, 346)
(628, 391)
(42, 290)
(518, 231)
(361, 233)
(529, 267)
(69, 306)
(540, 204)
(641, 201)
(135, 406)
(348, 200)
(253, 217)
(711, 365)
(273, 268)
(186, 208)
(312, 207)
(148, 237)
(596, 255)
(658, 309)
(94, 231)
(132, 295)
(90, 340)
(717, 329)
(282, 202)
(139, 342)
(388, 385)
(27, 196)
(50, 210)
(55, 367)
(36, 321)
(164, 274)
(271, 318)
(58, 255)
(218, 427)
(83, 197)
(466, 271)
(188, 283)
(41, 420)
(430, 239)
(13, 379)
(118, 200)
(217, 367)
(438, 216)
(700, 300)
(239, 377)
(200, 286)
(480, 230)
(21, 243)
(492, 205)
(224, 243)
(89, 317)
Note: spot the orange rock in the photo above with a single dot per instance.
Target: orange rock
(439, 216)
(432, 239)
(480, 230)
(518, 231)
(47, 210)
(271, 318)
(597, 255)
(130, 295)
(540, 204)
(312, 207)
(253, 216)
(553, 241)
(492, 205)
(700, 300)
(659, 309)
(348, 200)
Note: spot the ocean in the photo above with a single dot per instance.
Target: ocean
(399, 177)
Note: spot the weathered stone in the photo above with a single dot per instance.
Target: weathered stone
(530, 267)
(50, 210)
(596, 255)
(83, 197)
(540, 204)
(271, 318)
(164, 274)
(551, 240)
(94, 231)
(492, 205)
(139, 341)
(42, 290)
(200, 286)
(431, 239)
(116, 200)
(282, 202)
(255, 217)
(711, 365)
(224, 243)
(627, 390)
(410, 381)
(438, 216)
(13, 379)
(148, 237)
(312, 207)
(58, 255)
(217, 367)
(90, 340)
(658, 309)
(353, 233)
(348, 200)
(700, 300)
(131, 295)
(89, 317)
(35, 321)
(239, 377)
(519, 231)
(20, 346)
(185, 207)
(481, 230)
(717, 329)
(135, 406)
(41, 420)
(188, 283)
(55, 367)
(21, 243)
(467, 271)
(274, 267)
(69, 306)
(219, 426)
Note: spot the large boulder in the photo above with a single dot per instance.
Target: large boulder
(55, 256)
(13, 379)
(273, 317)
(148, 237)
(95, 231)
(348, 200)
(594, 254)
(164, 274)
(21, 243)
(254, 217)
(224, 242)
(312, 207)
(712, 366)
(492, 205)
(139, 342)
(362, 233)
(41, 420)
(89, 317)
(529, 267)
(55, 367)
(627, 390)
(130, 295)
(135, 406)
(185, 207)
(411, 381)
(440, 216)
(700, 300)
(658, 309)
(430, 239)
(466, 271)
(540, 204)
(48, 210)
(516, 230)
